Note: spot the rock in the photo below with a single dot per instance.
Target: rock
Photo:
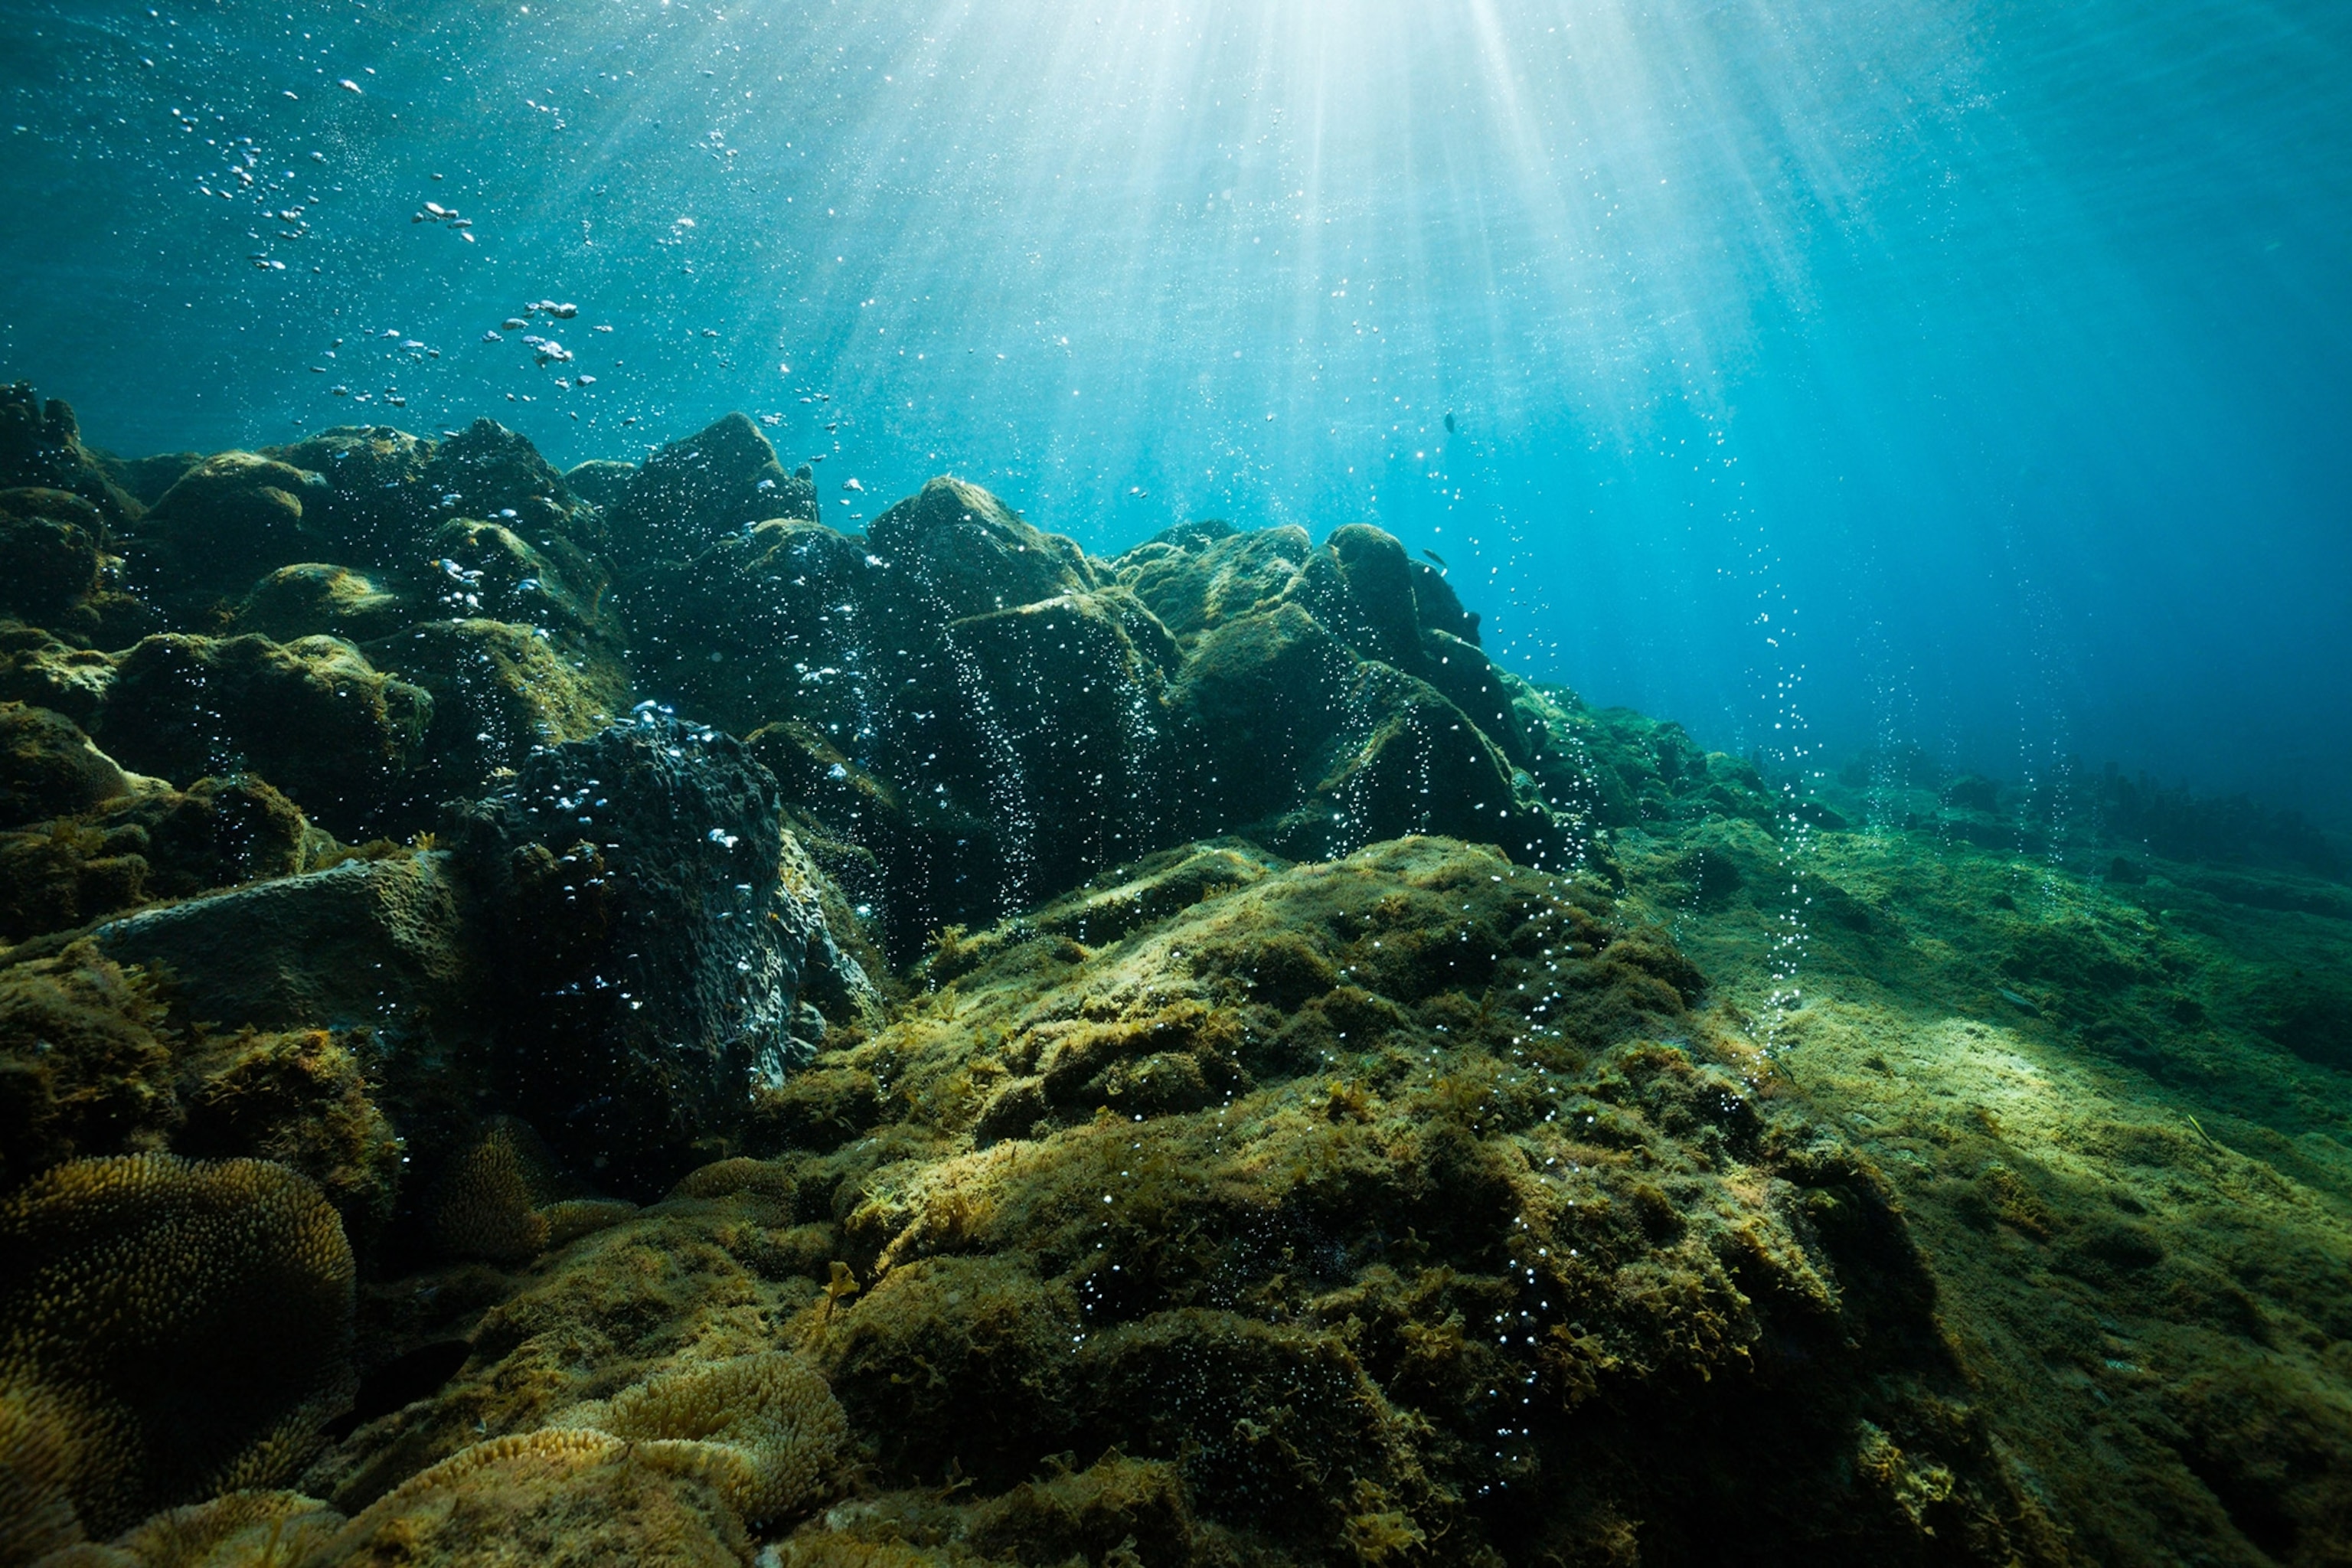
(36, 667)
(692, 493)
(486, 569)
(314, 599)
(599, 481)
(224, 525)
(1438, 607)
(955, 551)
(1050, 722)
(313, 716)
(775, 624)
(50, 553)
(489, 472)
(1200, 575)
(649, 956)
(500, 691)
(148, 477)
(364, 943)
(49, 768)
(374, 505)
(155, 843)
(40, 447)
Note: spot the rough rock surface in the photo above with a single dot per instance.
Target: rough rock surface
(1284, 1131)
(363, 944)
(648, 958)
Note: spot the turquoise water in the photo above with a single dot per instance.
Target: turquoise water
(1966, 375)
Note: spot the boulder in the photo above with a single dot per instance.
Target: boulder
(955, 551)
(36, 667)
(487, 470)
(364, 943)
(226, 522)
(373, 505)
(649, 956)
(40, 447)
(599, 481)
(1201, 575)
(694, 492)
(774, 623)
(500, 691)
(312, 715)
(151, 842)
(50, 553)
(488, 569)
(311, 598)
(49, 768)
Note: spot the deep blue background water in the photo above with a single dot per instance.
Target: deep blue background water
(1964, 375)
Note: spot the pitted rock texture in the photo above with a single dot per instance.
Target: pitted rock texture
(647, 958)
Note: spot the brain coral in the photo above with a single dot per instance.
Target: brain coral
(175, 1327)
(765, 1430)
(552, 1499)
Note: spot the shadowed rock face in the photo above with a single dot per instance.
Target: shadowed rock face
(644, 958)
(693, 493)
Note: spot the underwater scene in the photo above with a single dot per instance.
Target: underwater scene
(1237, 783)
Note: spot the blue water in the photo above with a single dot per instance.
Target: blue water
(1967, 375)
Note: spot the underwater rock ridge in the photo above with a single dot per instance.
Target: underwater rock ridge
(917, 1047)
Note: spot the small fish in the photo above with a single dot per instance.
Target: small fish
(1449, 422)
(1434, 555)
(2024, 1004)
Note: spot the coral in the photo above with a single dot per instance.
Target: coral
(312, 716)
(503, 1197)
(556, 1498)
(186, 1325)
(764, 1430)
(239, 1530)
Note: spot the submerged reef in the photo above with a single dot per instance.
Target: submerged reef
(595, 1018)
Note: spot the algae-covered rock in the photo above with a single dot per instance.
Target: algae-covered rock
(372, 504)
(694, 492)
(599, 481)
(51, 550)
(364, 943)
(499, 692)
(38, 669)
(41, 448)
(182, 1328)
(49, 768)
(650, 957)
(224, 523)
(152, 843)
(313, 716)
(310, 598)
(957, 551)
(487, 470)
